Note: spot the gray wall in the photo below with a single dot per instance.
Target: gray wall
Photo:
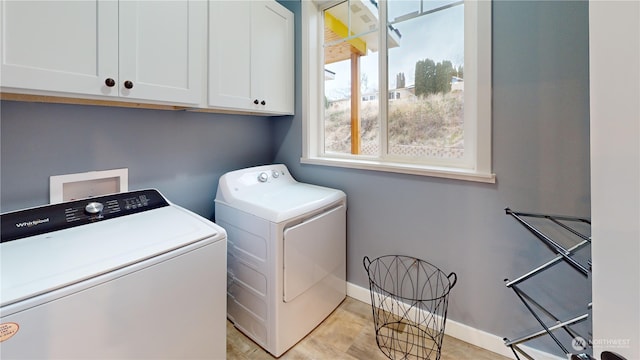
(180, 153)
(540, 157)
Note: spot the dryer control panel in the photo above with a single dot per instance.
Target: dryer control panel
(264, 176)
(44, 219)
(257, 178)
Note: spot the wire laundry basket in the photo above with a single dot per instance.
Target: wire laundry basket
(409, 298)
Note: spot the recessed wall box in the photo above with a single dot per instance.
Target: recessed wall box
(89, 184)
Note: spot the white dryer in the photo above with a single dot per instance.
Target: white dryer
(286, 254)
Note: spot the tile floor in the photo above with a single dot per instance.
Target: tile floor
(347, 334)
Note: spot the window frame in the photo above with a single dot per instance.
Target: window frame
(477, 100)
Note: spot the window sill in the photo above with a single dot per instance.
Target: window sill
(433, 171)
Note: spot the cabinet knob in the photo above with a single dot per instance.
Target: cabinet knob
(110, 82)
(263, 102)
(256, 101)
(128, 84)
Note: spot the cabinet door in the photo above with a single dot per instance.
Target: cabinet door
(251, 57)
(65, 46)
(162, 46)
(230, 48)
(272, 67)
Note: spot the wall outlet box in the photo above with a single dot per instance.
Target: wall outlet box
(86, 185)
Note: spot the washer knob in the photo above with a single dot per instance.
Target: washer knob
(94, 208)
(263, 177)
(275, 173)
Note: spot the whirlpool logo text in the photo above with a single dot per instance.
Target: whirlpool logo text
(32, 223)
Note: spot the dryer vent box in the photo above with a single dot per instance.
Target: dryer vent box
(89, 184)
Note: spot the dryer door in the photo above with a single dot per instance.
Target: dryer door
(313, 250)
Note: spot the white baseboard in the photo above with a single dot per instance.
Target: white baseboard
(464, 332)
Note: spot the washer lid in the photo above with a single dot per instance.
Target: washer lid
(42, 263)
(271, 193)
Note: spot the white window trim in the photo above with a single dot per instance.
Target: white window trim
(476, 105)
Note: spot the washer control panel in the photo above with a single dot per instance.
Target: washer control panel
(40, 220)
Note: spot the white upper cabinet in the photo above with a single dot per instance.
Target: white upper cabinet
(138, 50)
(272, 57)
(163, 49)
(251, 58)
(59, 46)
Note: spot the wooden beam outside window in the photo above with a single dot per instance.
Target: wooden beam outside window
(355, 103)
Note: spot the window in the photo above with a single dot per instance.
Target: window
(416, 99)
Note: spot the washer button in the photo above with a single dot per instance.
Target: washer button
(275, 174)
(263, 177)
(94, 208)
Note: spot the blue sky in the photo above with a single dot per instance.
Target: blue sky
(438, 36)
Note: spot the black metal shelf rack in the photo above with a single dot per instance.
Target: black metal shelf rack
(575, 226)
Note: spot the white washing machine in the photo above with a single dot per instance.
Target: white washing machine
(123, 276)
(286, 256)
